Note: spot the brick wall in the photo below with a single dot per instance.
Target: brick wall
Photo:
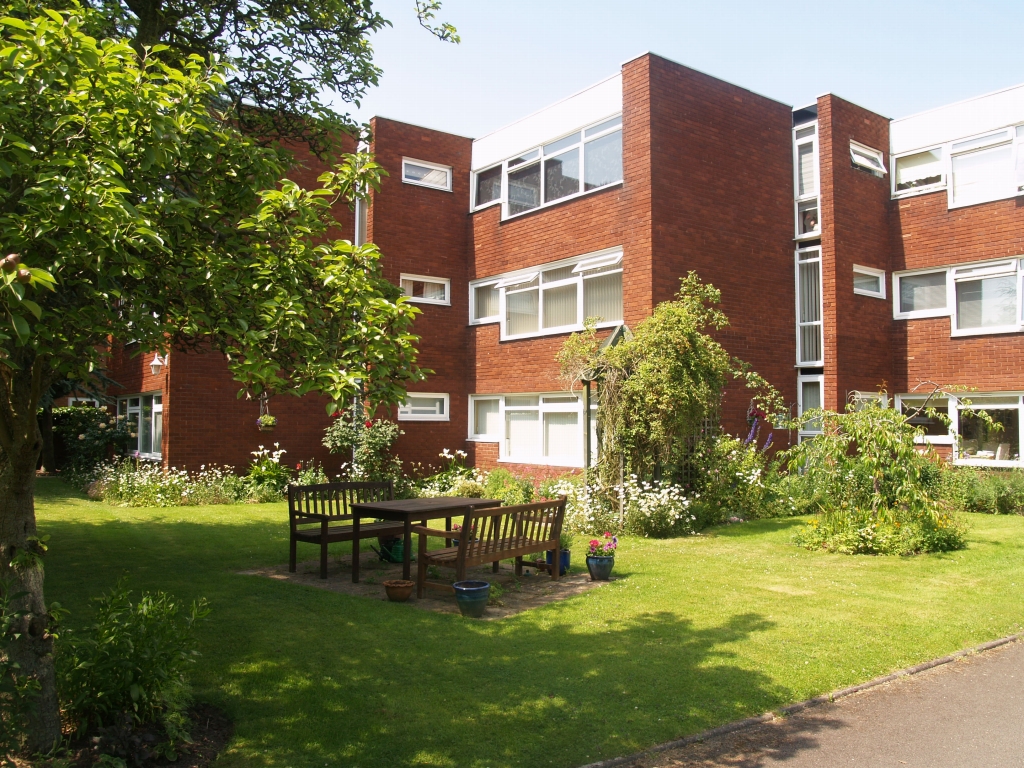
(722, 180)
(925, 234)
(855, 230)
(424, 231)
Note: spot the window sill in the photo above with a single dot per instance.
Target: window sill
(815, 235)
(933, 440)
(962, 332)
(483, 439)
(423, 418)
(435, 302)
(560, 330)
(924, 314)
(918, 191)
(869, 294)
(485, 206)
(1008, 464)
(485, 321)
(1009, 196)
(560, 201)
(426, 186)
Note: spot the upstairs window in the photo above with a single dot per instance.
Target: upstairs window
(427, 290)
(987, 297)
(921, 294)
(555, 298)
(867, 158)
(981, 169)
(920, 170)
(805, 159)
(581, 162)
(809, 346)
(426, 174)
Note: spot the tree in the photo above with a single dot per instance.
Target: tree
(129, 209)
(285, 57)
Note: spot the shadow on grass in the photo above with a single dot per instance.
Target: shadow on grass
(313, 677)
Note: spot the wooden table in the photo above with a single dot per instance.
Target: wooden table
(409, 512)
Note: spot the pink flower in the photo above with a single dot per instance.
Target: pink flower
(369, 424)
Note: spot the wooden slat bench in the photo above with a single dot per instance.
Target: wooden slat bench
(492, 535)
(321, 514)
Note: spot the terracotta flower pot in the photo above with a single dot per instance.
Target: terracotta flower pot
(398, 590)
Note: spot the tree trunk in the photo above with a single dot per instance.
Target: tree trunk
(46, 429)
(20, 551)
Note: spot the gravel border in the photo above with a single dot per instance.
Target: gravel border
(740, 725)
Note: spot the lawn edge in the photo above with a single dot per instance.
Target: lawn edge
(791, 709)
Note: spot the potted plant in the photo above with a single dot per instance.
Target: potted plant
(601, 557)
(564, 547)
(266, 422)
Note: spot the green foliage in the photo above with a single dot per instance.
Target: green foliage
(512, 490)
(311, 473)
(268, 477)
(16, 688)
(739, 479)
(874, 490)
(132, 660)
(135, 483)
(88, 435)
(370, 444)
(160, 222)
(983, 490)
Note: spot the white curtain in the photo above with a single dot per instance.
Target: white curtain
(522, 436)
(485, 417)
(981, 176)
(805, 165)
(986, 303)
(562, 437)
(919, 292)
(485, 302)
(602, 297)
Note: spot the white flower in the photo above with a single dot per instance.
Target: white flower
(81, 437)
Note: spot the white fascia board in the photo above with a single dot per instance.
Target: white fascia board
(955, 121)
(590, 105)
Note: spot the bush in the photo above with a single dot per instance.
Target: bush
(267, 478)
(134, 483)
(16, 688)
(983, 490)
(851, 531)
(87, 435)
(738, 479)
(370, 444)
(502, 484)
(132, 661)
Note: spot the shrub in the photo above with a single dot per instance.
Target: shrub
(131, 661)
(87, 435)
(852, 531)
(267, 477)
(653, 508)
(983, 490)
(16, 688)
(134, 483)
(452, 479)
(502, 484)
(738, 479)
(370, 444)
(311, 473)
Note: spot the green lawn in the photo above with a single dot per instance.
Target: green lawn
(694, 633)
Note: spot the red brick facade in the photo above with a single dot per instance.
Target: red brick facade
(707, 185)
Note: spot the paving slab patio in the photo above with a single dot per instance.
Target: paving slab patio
(965, 714)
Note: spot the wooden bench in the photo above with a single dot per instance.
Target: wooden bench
(492, 535)
(321, 514)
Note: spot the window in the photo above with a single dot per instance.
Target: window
(809, 347)
(867, 158)
(427, 290)
(485, 418)
(920, 294)
(424, 407)
(988, 442)
(916, 407)
(543, 429)
(488, 186)
(987, 297)
(868, 281)
(555, 298)
(919, 171)
(810, 396)
(808, 220)
(862, 400)
(145, 416)
(90, 402)
(982, 169)
(581, 162)
(362, 220)
(426, 174)
(1019, 149)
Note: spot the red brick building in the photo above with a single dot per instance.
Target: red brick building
(853, 252)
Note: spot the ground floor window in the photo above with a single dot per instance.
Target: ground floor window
(145, 415)
(810, 396)
(424, 406)
(984, 429)
(533, 428)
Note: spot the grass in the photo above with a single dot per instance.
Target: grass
(694, 633)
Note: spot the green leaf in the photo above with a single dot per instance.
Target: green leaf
(21, 327)
(32, 307)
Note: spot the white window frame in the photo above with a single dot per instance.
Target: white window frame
(968, 272)
(92, 401)
(954, 413)
(1000, 135)
(821, 306)
(405, 415)
(920, 313)
(495, 318)
(539, 159)
(812, 195)
(157, 408)
(481, 437)
(427, 279)
(935, 187)
(871, 272)
(426, 164)
(948, 439)
(607, 257)
(542, 408)
(804, 434)
(869, 152)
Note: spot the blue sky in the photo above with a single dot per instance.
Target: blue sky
(517, 56)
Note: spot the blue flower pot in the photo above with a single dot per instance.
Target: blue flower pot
(471, 597)
(600, 567)
(563, 561)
